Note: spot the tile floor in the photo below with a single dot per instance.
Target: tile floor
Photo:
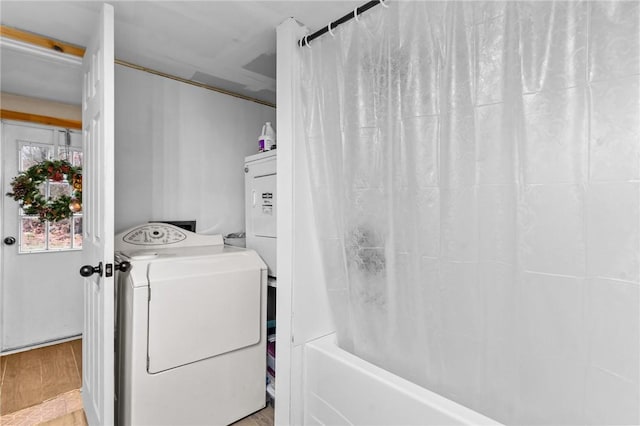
(31, 377)
(65, 409)
(42, 386)
(263, 417)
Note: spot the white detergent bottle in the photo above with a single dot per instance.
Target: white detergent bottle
(261, 139)
(267, 139)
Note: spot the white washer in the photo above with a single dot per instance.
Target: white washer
(191, 328)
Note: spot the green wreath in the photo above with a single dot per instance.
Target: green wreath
(26, 190)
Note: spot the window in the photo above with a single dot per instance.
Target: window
(36, 236)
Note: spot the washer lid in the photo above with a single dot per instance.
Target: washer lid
(203, 307)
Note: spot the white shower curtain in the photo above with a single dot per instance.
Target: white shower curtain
(475, 170)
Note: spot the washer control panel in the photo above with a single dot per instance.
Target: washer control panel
(154, 235)
(158, 235)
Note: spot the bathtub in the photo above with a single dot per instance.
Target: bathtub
(342, 389)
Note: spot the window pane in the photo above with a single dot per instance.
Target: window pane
(57, 189)
(64, 154)
(72, 155)
(60, 234)
(77, 231)
(41, 188)
(76, 158)
(69, 154)
(32, 154)
(63, 235)
(33, 234)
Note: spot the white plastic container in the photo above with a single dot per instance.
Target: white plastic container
(267, 140)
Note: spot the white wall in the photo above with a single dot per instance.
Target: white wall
(180, 151)
(303, 312)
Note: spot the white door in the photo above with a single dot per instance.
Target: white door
(98, 180)
(40, 291)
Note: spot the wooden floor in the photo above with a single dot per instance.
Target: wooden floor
(263, 417)
(32, 377)
(75, 418)
(42, 386)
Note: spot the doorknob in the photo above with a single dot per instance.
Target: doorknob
(123, 266)
(9, 241)
(88, 270)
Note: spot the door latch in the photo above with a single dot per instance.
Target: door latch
(122, 267)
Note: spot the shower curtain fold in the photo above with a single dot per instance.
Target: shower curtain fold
(473, 167)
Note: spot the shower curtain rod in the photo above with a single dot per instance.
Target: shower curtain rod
(332, 26)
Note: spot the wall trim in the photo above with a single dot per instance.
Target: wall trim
(40, 119)
(51, 342)
(42, 41)
(289, 395)
(193, 83)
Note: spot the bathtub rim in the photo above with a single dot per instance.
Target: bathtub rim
(328, 346)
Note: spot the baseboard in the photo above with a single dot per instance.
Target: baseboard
(40, 345)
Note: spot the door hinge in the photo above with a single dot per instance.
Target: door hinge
(108, 270)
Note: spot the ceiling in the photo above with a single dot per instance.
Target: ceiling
(226, 44)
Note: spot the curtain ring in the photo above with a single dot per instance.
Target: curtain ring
(306, 43)
(383, 3)
(330, 30)
(355, 14)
